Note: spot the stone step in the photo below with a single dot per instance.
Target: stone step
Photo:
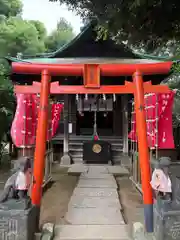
(118, 171)
(95, 192)
(114, 144)
(77, 154)
(96, 176)
(77, 157)
(76, 149)
(94, 216)
(77, 160)
(76, 143)
(117, 153)
(91, 232)
(97, 183)
(89, 138)
(77, 169)
(94, 202)
(96, 169)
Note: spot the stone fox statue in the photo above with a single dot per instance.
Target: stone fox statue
(18, 184)
(161, 182)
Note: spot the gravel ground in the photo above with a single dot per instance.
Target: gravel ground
(56, 198)
(3, 178)
(131, 201)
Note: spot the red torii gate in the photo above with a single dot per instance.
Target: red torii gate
(91, 75)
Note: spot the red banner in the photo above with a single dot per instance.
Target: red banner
(24, 126)
(158, 108)
(56, 115)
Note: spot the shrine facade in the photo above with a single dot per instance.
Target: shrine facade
(106, 115)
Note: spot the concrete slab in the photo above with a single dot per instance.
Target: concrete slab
(94, 216)
(97, 183)
(77, 169)
(91, 232)
(96, 176)
(118, 171)
(94, 202)
(125, 160)
(95, 192)
(97, 169)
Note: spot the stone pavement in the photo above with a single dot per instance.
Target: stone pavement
(77, 169)
(94, 211)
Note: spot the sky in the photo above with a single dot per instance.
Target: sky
(49, 13)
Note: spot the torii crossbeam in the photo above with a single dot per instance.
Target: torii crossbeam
(91, 74)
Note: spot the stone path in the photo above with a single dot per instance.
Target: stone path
(94, 211)
(77, 169)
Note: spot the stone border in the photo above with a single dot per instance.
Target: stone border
(48, 231)
(138, 232)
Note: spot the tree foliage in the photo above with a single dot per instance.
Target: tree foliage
(20, 37)
(152, 22)
(42, 32)
(60, 36)
(10, 7)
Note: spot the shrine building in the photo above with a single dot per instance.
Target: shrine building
(85, 115)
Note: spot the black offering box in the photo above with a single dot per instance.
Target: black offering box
(16, 223)
(96, 152)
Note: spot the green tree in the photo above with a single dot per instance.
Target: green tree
(42, 32)
(10, 7)
(7, 106)
(17, 35)
(59, 37)
(141, 22)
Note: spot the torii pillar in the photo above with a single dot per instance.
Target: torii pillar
(143, 150)
(40, 150)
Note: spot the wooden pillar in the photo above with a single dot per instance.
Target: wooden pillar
(73, 113)
(66, 125)
(143, 150)
(65, 160)
(117, 117)
(124, 107)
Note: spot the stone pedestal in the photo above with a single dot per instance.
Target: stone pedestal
(166, 220)
(16, 222)
(65, 160)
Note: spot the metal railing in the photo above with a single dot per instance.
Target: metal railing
(48, 166)
(135, 171)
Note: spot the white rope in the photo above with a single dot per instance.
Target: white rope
(24, 131)
(157, 109)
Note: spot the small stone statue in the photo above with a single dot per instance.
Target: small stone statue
(18, 184)
(161, 182)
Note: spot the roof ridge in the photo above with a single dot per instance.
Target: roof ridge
(149, 56)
